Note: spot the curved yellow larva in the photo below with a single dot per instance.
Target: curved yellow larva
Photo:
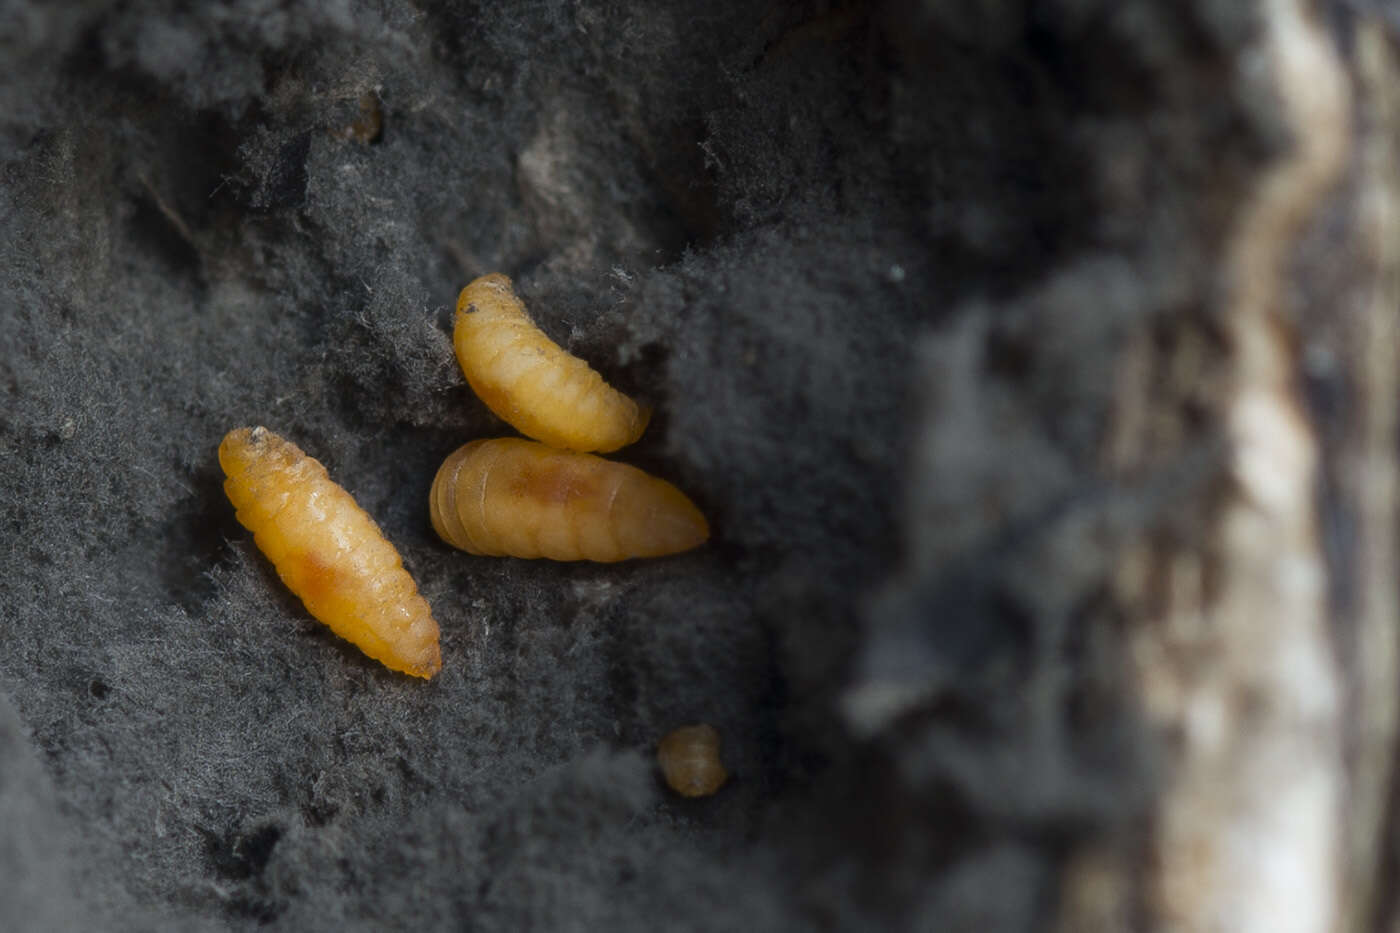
(689, 759)
(532, 383)
(518, 498)
(329, 551)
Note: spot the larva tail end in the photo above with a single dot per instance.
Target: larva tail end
(661, 520)
(697, 531)
(683, 526)
(417, 655)
(427, 669)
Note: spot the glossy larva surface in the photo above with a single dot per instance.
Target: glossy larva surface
(689, 760)
(532, 383)
(518, 498)
(328, 550)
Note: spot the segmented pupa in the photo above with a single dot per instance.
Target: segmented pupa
(689, 759)
(519, 498)
(329, 551)
(532, 383)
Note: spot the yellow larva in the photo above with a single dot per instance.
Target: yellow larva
(518, 498)
(532, 383)
(689, 759)
(329, 551)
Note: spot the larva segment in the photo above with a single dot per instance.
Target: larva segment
(689, 760)
(518, 498)
(532, 383)
(328, 551)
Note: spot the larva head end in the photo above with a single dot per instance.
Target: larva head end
(483, 286)
(247, 437)
(243, 448)
(238, 436)
(233, 449)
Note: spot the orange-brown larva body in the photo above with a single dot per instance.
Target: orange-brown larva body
(532, 383)
(689, 759)
(329, 551)
(517, 498)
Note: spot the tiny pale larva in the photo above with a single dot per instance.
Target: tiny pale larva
(518, 498)
(329, 551)
(532, 383)
(689, 759)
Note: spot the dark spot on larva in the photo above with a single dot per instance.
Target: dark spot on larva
(239, 856)
(319, 580)
(99, 690)
(554, 482)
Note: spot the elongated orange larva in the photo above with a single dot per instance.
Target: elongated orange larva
(689, 759)
(329, 551)
(532, 383)
(522, 499)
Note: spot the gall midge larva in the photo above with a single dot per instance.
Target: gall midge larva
(689, 759)
(366, 127)
(517, 498)
(328, 551)
(532, 383)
